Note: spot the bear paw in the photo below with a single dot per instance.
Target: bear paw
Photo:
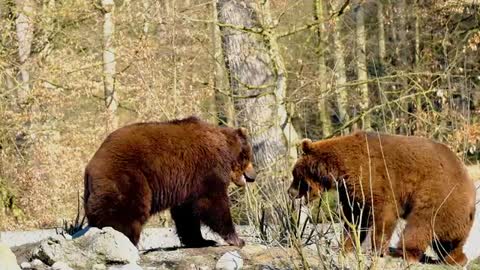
(200, 243)
(234, 240)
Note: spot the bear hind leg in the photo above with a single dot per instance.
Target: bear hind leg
(382, 229)
(415, 239)
(188, 226)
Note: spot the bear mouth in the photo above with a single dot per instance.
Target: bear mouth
(248, 179)
(241, 181)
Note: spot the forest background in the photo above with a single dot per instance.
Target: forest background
(72, 71)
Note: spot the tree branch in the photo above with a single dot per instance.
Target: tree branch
(372, 109)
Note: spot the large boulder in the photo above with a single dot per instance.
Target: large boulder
(105, 246)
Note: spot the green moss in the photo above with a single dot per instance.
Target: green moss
(8, 203)
(324, 209)
(475, 265)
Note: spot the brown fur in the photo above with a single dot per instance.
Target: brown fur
(413, 178)
(185, 165)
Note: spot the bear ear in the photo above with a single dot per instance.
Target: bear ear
(243, 132)
(306, 146)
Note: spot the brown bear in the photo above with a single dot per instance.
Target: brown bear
(182, 165)
(381, 178)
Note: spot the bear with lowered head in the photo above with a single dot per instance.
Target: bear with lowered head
(381, 178)
(183, 165)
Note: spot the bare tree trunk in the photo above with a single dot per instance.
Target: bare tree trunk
(258, 81)
(402, 33)
(418, 99)
(24, 29)
(361, 63)
(225, 112)
(7, 76)
(322, 70)
(172, 12)
(394, 32)
(381, 33)
(111, 101)
(168, 6)
(417, 32)
(146, 16)
(340, 69)
(403, 13)
(284, 116)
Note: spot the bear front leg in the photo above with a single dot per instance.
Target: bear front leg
(188, 226)
(215, 213)
(360, 219)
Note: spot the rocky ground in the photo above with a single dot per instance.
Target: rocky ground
(159, 248)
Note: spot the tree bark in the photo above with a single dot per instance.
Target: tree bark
(6, 25)
(417, 31)
(402, 32)
(24, 31)
(258, 81)
(381, 33)
(418, 99)
(340, 69)
(111, 101)
(322, 70)
(225, 112)
(280, 91)
(361, 63)
(146, 16)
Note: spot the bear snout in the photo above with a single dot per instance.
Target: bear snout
(293, 193)
(250, 173)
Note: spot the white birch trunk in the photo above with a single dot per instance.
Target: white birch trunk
(381, 33)
(225, 112)
(402, 32)
(322, 70)
(417, 32)
(361, 63)
(340, 69)
(111, 101)
(24, 31)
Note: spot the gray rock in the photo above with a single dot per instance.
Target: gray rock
(99, 267)
(8, 261)
(18, 238)
(95, 247)
(36, 263)
(230, 261)
(130, 266)
(25, 265)
(61, 266)
(115, 247)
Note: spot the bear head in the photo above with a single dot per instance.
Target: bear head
(242, 168)
(313, 172)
